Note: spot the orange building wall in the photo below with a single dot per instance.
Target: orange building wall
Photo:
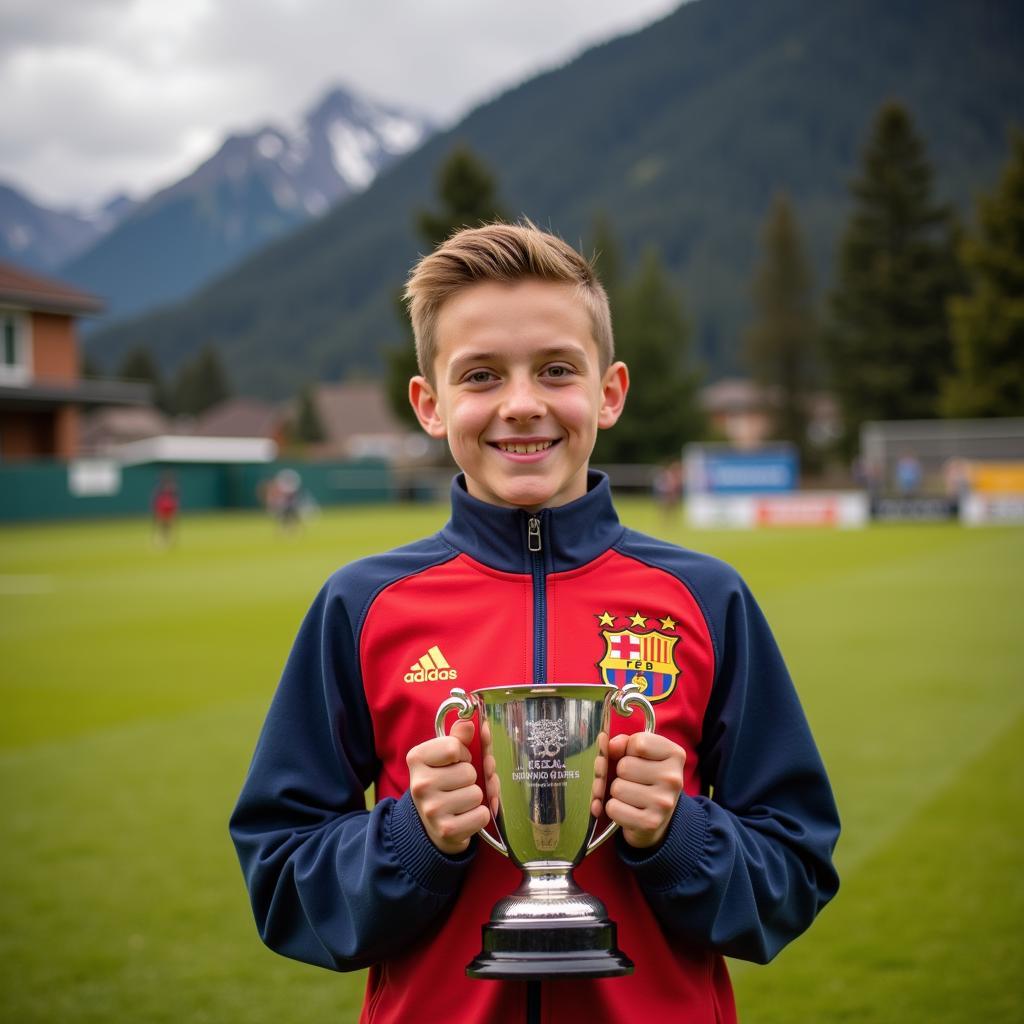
(54, 347)
(65, 432)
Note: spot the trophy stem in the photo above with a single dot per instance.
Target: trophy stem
(549, 928)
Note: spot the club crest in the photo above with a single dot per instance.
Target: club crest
(647, 659)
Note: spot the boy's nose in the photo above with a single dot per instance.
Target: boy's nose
(521, 401)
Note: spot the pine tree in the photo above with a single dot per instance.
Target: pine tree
(468, 194)
(139, 364)
(780, 345)
(888, 345)
(469, 197)
(308, 427)
(653, 338)
(988, 322)
(607, 257)
(200, 384)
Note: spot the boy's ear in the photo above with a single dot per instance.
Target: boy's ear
(423, 400)
(614, 386)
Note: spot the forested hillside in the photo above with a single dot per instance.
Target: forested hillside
(680, 133)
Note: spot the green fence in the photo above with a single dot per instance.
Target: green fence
(96, 488)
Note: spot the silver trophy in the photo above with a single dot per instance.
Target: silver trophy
(545, 760)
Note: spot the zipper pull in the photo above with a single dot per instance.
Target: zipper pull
(533, 534)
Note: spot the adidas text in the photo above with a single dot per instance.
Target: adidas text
(429, 675)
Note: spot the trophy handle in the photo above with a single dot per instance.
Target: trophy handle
(460, 703)
(624, 701)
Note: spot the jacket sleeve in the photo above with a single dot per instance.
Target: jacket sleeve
(330, 882)
(746, 867)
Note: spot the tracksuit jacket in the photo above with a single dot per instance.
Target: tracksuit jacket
(502, 596)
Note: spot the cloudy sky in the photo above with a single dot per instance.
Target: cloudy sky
(105, 95)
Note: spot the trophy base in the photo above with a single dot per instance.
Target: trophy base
(538, 949)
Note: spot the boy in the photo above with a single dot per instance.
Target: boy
(727, 819)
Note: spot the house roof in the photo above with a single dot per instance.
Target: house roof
(119, 424)
(742, 395)
(240, 417)
(18, 287)
(356, 408)
(733, 394)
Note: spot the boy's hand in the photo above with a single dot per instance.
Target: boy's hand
(442, 783)
(649, 779)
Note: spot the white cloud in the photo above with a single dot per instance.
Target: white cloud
(111, 94)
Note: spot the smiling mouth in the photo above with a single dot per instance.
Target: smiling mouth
(523, 448)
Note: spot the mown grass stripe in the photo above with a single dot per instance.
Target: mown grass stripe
(928, 927)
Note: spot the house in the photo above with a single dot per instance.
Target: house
(42, 393)
(358, 422)
(740, 411)
(112, 425)
(243, 417)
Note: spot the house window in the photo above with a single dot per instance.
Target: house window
(14, 347)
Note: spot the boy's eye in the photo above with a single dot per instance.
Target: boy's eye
(559, 370)
(479, 377)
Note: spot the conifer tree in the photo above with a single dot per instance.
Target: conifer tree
(780, 344)
(200, 384)
(653, 338)
(308, 427)
(888, 345)
(468, 197)
(988, 322)
(607, 257)
(139, 364)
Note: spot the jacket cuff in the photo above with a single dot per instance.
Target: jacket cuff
(435, 871)
(677, 856)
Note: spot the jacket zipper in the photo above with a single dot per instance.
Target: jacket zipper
(535, 546)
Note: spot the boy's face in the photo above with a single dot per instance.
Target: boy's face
(518, 391)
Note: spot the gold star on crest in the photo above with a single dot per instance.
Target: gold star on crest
(668, 622)
(605, 619)
(638, 620)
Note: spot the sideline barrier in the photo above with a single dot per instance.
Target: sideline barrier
(50, 490)
(842, 509)
(992, 510)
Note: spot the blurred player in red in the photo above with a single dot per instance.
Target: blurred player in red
(165, 510)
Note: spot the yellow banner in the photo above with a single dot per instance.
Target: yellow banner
(997, 477)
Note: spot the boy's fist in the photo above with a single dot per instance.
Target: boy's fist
(442, 783)
(649, 779)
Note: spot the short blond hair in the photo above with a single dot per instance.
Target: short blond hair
(505, 253)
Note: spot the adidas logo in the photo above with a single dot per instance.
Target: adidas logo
(431, 666)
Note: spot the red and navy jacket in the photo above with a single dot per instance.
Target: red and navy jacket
(502, 596)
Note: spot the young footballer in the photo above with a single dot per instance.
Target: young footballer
(727, 818)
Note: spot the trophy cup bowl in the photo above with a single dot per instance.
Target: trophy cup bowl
(545, 759)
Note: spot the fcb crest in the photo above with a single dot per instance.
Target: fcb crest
(646, 659)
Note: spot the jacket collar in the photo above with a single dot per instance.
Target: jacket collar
(571, 535)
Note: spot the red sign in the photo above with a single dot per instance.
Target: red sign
(797, 510)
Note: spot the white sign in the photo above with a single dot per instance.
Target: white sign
(994, 509)
(91, 478)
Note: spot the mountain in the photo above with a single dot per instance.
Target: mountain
(41, 238)
(253, 189)
(681, 133)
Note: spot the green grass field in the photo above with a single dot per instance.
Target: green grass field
(133, 682)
